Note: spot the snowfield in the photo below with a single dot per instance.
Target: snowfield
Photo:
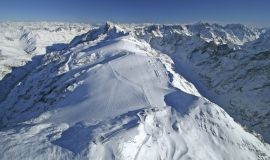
(121, 92)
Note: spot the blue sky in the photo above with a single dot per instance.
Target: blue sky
(252, 12)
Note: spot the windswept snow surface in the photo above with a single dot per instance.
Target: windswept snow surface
(110, 95)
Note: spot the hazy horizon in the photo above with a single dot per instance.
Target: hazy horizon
(254, 13)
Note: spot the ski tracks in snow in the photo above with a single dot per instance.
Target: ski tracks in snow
(122, 78)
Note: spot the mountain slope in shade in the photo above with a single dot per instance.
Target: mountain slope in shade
(228, 64)
(111, 96)
(22, 45)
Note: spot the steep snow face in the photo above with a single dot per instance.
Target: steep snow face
(232, 75)
(116, 98)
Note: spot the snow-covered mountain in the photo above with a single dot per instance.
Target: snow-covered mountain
(19, 41)
(130, 92)
(22, 44)
(228, 64)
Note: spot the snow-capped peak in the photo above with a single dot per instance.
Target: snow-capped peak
(107, 31)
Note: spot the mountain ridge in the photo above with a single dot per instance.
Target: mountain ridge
(120, 97)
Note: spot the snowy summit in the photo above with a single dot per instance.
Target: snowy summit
(134, 92)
